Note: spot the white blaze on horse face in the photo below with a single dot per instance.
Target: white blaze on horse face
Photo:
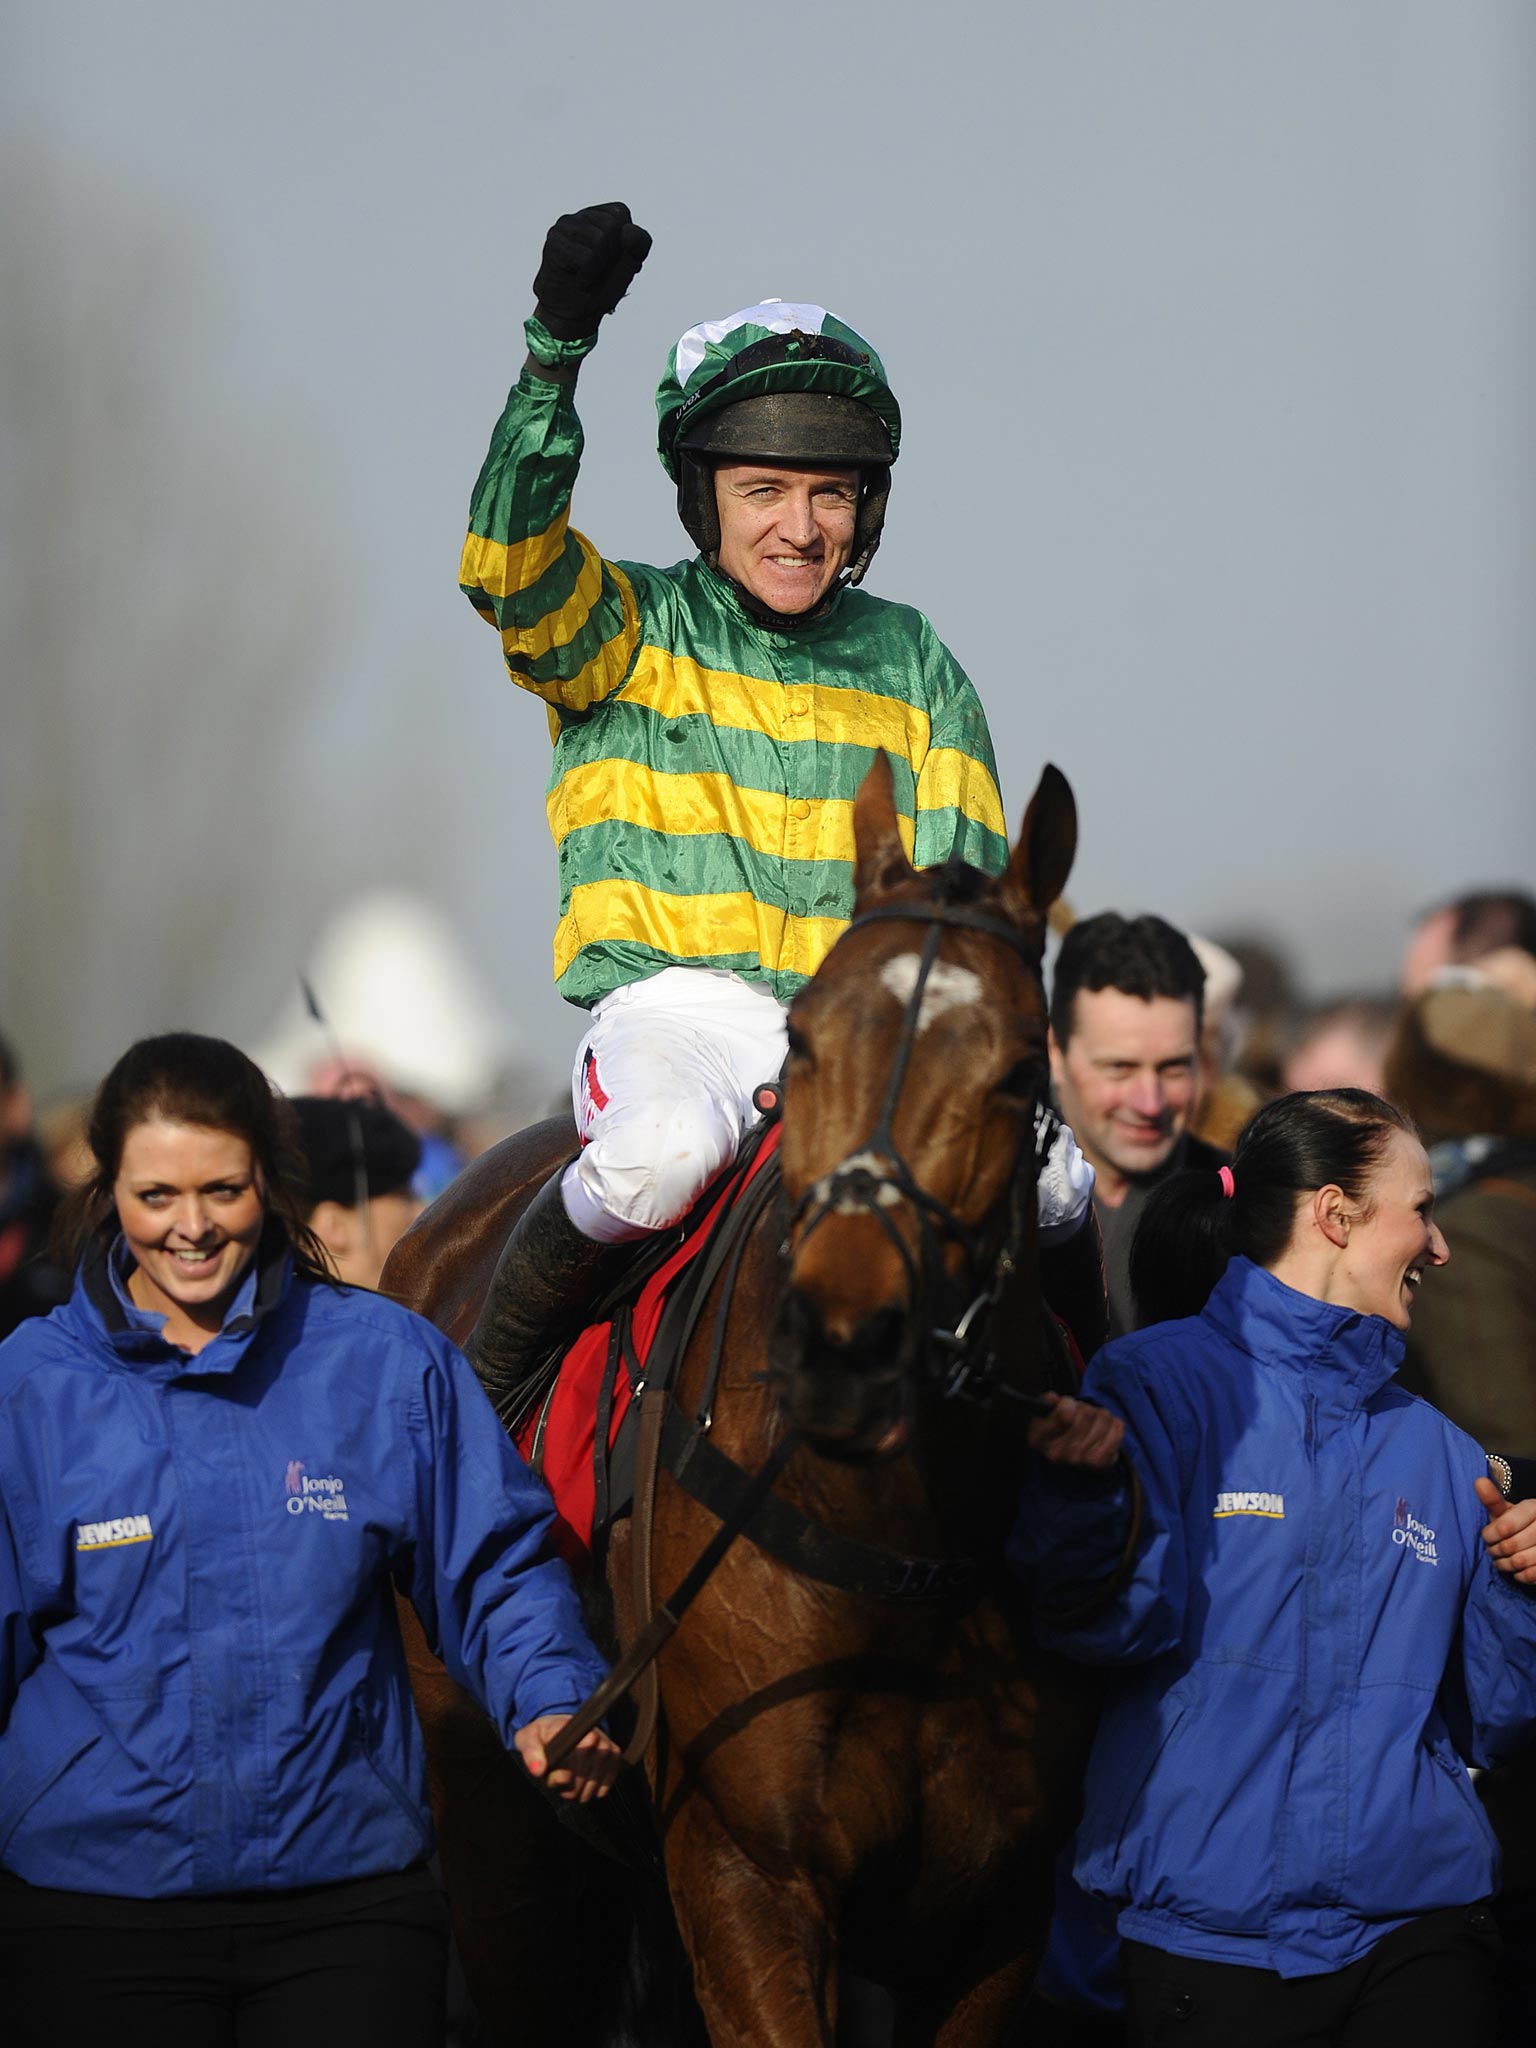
(886, 1194)
(947, 987)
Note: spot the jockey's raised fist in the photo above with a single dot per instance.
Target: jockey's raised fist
(590, 261)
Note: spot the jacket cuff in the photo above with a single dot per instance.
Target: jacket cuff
(545, 347)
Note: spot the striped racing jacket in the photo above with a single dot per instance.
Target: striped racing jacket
(705, 765)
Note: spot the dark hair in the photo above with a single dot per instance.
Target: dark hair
(188, 1079)
(1487, 918)
(10, 1072)
(1191, 1226)
(1139, 956)
(353, 1150)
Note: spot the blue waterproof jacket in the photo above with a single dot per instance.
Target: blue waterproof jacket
(202, 1685)
(1323, 1642)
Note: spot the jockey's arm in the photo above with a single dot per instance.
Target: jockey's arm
(568, 620)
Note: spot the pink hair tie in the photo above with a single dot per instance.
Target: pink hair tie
(1228, 1184)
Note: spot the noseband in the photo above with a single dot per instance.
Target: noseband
(876, 1181)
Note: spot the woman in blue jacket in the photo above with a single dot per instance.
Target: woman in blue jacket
(216, 1465)
(1324, 1624)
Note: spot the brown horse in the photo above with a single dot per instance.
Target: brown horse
(847, 1775)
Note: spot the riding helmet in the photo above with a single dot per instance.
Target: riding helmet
(777, 383)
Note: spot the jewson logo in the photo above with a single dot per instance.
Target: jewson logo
(305, 1496)
(108, 1535)
(1411, 1534)
(1271, 1506)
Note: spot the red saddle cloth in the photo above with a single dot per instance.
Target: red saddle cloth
(570, 1428)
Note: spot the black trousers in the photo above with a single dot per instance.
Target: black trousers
(1428, 1985)
(370, 1974)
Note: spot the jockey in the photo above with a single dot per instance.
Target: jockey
(712, 723)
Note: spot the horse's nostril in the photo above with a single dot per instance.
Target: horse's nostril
(835, 1337)
(842, 1332)
(880, 1339)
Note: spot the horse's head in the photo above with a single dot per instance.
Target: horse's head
(917, 1057)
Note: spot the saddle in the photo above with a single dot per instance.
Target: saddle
(580, 1438)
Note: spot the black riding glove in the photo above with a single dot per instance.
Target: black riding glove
(590, 261)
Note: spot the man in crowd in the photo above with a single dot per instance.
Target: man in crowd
(1341, 1045)
(1127, 1012)
(1457, 933)
(1126, 1007)
(360, 1160)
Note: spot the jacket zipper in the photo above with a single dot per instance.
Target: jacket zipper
(1282, 1834)
(386, 1778)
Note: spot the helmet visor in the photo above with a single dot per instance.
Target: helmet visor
(818, 429)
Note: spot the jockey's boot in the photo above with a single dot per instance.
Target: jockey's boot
(547, 1273)
(1072, 1281)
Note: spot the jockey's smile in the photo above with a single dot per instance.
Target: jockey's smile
(786, 535)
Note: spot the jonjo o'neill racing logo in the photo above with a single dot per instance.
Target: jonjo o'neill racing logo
(303, 1495)
(1409, 1533)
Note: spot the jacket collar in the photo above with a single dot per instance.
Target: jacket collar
(1345, 1354)
(137, 1335)
(730, 596)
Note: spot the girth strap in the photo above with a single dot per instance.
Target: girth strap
(807, 1546)
(654, 1404)
(664, 1621)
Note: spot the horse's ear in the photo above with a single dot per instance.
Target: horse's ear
(1042, 857)
(880, 859)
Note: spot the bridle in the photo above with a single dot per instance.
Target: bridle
(874, 1179)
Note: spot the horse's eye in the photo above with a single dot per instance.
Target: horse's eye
(798, 1049)
(1024, 1081)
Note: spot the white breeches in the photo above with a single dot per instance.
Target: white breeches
(662, 1091)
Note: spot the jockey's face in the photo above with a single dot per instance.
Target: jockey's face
(785, 534)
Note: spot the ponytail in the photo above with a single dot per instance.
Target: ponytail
(1181, 1246)
(1292, 1147)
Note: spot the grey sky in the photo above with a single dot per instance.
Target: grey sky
(1212, 325)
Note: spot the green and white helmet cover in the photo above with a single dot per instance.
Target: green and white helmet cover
(699, 379)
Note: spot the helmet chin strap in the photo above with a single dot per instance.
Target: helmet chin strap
(764, 614)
